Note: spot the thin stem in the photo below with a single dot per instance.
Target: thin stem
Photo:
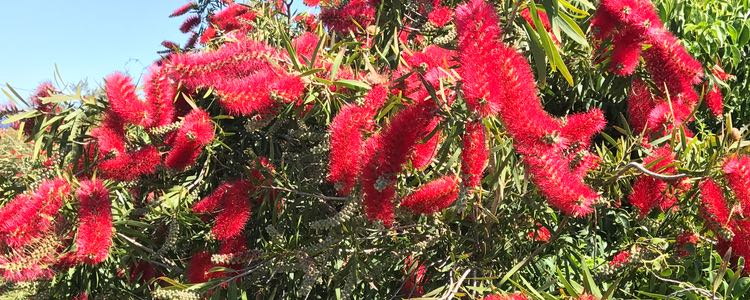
(324, 197)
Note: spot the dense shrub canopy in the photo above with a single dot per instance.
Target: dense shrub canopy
(380, 149)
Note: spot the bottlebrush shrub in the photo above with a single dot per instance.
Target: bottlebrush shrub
(382, 149)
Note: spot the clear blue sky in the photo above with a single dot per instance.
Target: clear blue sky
(87, 39)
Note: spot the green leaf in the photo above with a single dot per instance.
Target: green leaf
(353, 84)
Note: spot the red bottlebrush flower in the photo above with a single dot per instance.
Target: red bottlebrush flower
(247, 96)
(714, 206)
(110, 135)
(516, 296)
(124, 102)
(440, 16)
(208, 34)
(425, 151)
(374, 100)
(581, 127)
(347, 147)
(160, 95)
(386, 155)
(44, 90)
(498, 80)
(432, 197)
(308, 21)
(213, 200)
(586, 296)
(620, 259)
(474, 154)
(231, 220)
(648, 192)
(170, 45)
(414, 278)
(640, 103)
(311, 2)
(737, 172)
(196, 132)
(628, 23)
(349, 17)
(347, 144)
(95, 223)
(182, 10)
(231, 60)
(234, 199)
(190, 44)
(190, 23)
(28, 217)
(130, 166)
(200, 265)
(305, 46)
(626, 53)
(715, 101)
(142, 271)
(288, 89)
(540, 234)
(740, 243)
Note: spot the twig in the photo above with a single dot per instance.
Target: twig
(455, 288)
(324, 197)
(648, 172)
(512, 16)
(170, 264)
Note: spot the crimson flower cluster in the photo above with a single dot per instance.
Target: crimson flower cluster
(729, 219)
(649, 192)
(32, 230)
(497, 81)
(627, 26)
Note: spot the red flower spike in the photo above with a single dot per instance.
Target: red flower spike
(350, 17)
(29, 217)
(110, 135)
(347, 147)
(620, 259)
(515, 296)
(414, 278)
(626, 53)
(247, 96)
(123, 101)
(196, 132)
(498, 81)
(474, 154)
(386, 155)
(737, 172)
(440, 16)
(182, 9)
(200, 265)
(95, 223)
(305, 46)
(432, 197)
(425, 152)
(540, 234)
(190, 23)
(715, 101)
(311, 2)
(375, 99)
(212, 201)
(640, 103)
(231, 220)
(231, 60)
(131, 166)
(160, 95)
